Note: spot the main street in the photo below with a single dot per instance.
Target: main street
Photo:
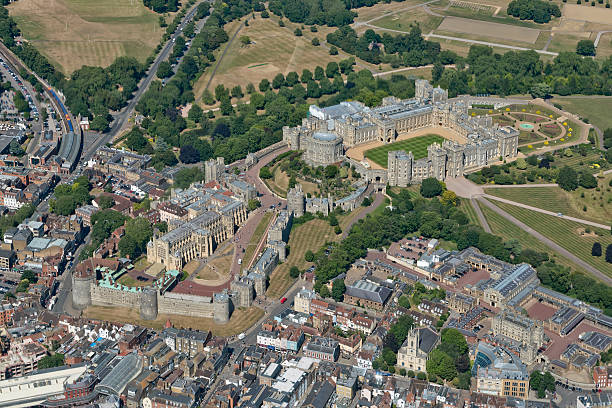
(121, 118)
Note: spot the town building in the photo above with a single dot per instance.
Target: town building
(415, 351)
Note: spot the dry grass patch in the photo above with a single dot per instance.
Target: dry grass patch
(240, 321)
(588, 13)
(273, 49)
(487, 29)
(309, 236)
(73, 33)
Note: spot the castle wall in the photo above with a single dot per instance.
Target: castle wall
(185, 305)
(101, 296)
(81, 291)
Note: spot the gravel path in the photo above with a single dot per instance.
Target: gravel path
(557, 248)
(481, 218)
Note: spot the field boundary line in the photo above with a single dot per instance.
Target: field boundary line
(553, 245)
(554, 214)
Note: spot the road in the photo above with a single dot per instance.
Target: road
(536, 209)
(557, 248)
(481, 218)
(121, 118)
(12, 59)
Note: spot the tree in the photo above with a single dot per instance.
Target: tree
(105, 202)
(587, 180)
(99, 123)
(324, 292)
(64, 205)
(609, 253)
(431, 187)
(521, 163)
(264, 85)
(264, 173)
(541, 90)
(567, 179)
(449, 198)
(237, 92)
(338, 289)
(56, 360)
(245, 40)
(189, 154)
(278, 81)
(315, 42)
(297, 32)
(29, 275)
(253, 204)
(333, 50)
(15, 148)
(331, 171)
(164, 70)
(195, 113)
(585, 48)
(421, 375)
(294, 272)
(309, 256)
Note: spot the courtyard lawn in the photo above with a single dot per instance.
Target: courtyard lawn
(417, 145)
(570, 235)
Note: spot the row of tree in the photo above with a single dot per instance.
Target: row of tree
(536, 10)
(162, 6)
(399, 50)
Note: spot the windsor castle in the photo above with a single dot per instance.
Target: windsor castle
(472, 142)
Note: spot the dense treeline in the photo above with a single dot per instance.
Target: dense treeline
(333, 13)
(162, 6)
(399, 50)
(516, 72)
(536, 10)
(92, 91)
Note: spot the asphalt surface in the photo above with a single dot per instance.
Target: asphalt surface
(122, 117)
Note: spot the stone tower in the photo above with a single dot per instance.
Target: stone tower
(221, 307)
(148, 304)
(81, 288)
(296, 201)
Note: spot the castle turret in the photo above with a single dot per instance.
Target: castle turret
(81, 288)
(221, 307)
(148, 304)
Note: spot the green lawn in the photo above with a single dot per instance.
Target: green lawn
(507, 230)
(557, 200)
(467, 208)
(596, 110)
(417, 145)
(568, 234)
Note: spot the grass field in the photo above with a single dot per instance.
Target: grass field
(309, 236)
(557, 200)
(507, 230)
(241, 319)
(417, 145)
(469, 211)
(273, 49)
(257, 234)
(596, 110)
(570, 235)
(73, 33)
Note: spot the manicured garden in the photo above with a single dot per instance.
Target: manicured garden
(418, 147)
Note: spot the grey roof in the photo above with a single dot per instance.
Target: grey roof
(320, 395)
(125, 371)
(427, 339)
(364, 289)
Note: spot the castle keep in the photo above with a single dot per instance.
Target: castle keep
(475, 141)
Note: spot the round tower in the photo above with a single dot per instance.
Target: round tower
(221, 307)
(81, 288)
(148, 304)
